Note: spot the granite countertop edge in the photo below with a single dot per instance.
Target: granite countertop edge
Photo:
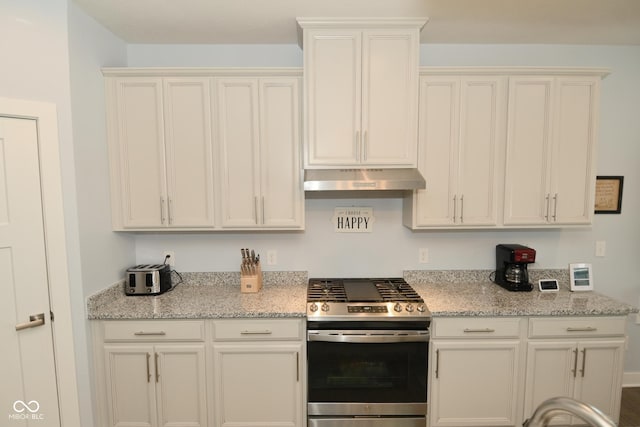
(447, 293)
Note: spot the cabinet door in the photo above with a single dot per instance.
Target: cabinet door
(130, 385)
(332, 64)
(600, 368)
(239, 156)
(187, 112)
(528, 150)
(389, 97)
(141, 155)
(573, 157)
(281, 193)
(481, 139)
(551, 372)
(438, 142)
(474, 383)
(180, 376)
(258, 385)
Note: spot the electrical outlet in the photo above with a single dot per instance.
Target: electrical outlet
(172, 258)
(601, 248)
(272, 257)
(423, 255)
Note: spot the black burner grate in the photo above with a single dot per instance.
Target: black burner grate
(396, 290)
(393, 289)
(326, 290)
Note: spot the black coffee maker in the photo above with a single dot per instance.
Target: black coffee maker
(511, 266)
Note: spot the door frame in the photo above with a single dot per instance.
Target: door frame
(45, 115)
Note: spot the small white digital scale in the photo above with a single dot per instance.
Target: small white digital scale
(548, 285)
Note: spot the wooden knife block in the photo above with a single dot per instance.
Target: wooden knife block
(251, 283)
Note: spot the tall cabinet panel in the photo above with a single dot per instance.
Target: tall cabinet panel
(333, 93)
(528, 148)
(139, 154)
(282, 197)
(239, 151)
(188, 148)
(389, 97)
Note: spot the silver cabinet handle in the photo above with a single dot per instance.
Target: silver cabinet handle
(455, 208)
(156, 362)
(483, 330)
(437, 363)
(34, 321)
(547, 202)
(297, 366)
(358, 145)
(162, 210)
(365, 145)
(150, 333)
(584, 329)
(264, 332)
(575, 362)
(555, 207)
(170, 210)
(584, 358)
(255, 208)
(148, 370)
(262, 210)
(462, 209)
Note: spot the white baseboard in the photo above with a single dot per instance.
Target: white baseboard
(631, 379)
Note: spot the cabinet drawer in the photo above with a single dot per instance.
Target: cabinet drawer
(154, 330)
(476, 327)
(259, 329)
(576, 327)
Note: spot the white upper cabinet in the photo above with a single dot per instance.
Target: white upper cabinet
(258, 134)
(160, 149)
(461, 141)
(551, 140)
(361, 92)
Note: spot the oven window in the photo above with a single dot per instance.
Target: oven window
(354, 372)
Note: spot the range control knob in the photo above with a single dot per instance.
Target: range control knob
(422, 308)
(313, 307)
(397, 307)
(325, 306)
(409, 307)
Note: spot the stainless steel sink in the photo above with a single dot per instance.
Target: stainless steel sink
(557, 405)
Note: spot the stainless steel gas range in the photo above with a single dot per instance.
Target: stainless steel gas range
(367, 351)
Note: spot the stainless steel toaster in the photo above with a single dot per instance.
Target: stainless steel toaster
(148, 279)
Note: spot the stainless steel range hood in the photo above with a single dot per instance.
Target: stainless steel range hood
(362, 179)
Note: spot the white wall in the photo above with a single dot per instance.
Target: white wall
(104, 254)
(392, 248)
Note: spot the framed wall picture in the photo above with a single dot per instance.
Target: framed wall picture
(609, 194)
(581, 277)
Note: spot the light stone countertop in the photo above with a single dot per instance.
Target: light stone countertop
(456, 293)
(463, 293)
(205, 296)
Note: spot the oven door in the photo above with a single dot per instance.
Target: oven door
(377, 371)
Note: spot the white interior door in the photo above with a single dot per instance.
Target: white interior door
(27, 367)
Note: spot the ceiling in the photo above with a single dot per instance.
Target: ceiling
(615, 22)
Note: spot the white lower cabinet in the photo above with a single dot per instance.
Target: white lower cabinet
(147, 380)
(258, 373)
(475, 372)
(580, 358)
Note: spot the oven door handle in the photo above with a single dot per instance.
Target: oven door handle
(374, 337)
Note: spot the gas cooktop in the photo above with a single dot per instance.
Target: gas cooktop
(363, 298)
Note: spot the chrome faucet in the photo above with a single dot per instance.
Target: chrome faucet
(556, 405)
